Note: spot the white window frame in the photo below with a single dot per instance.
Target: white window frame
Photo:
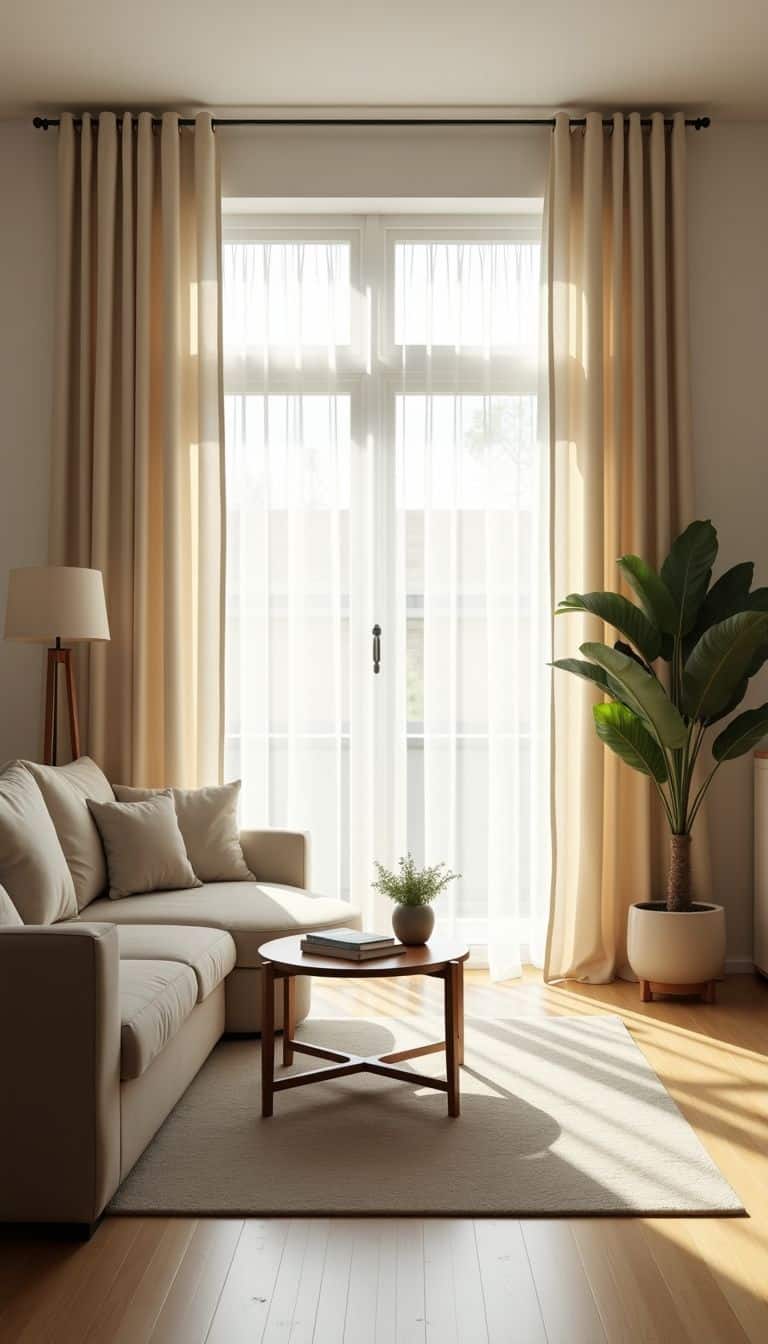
(372, 351)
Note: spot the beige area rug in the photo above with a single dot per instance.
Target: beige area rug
(559, 1116)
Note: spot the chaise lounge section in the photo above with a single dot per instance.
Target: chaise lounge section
(251, 912)
(106, 1016)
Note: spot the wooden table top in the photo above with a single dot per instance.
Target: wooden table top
(426, 959)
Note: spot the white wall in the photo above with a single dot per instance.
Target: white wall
(27, 243)
(360, 161)
(728, 266)
(728, 228)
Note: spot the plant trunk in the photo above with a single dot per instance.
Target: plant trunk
(679, 880)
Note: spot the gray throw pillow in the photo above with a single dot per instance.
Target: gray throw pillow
(207, 820)
(143, 846)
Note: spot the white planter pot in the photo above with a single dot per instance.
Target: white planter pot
(680, 947)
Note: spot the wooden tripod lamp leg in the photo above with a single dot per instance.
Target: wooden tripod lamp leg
(49, 733)
(74, 727)
(59, 657)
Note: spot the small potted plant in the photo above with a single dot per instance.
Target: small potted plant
(712, 640)
(413, 889)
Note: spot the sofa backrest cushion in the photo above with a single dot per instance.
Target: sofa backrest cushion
(143, 845)
(208, 822)
(33, 868)
(9, 915)
(66, 790)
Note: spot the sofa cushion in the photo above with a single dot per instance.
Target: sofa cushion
(207, 820)
(9, 915)
(144, 846)
(156, 998)
(252, 912)
(66, 789)
(33, 869)
(210, 953)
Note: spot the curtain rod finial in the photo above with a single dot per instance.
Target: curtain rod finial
(40, 123)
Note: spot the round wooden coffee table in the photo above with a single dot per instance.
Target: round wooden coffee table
(283, 960)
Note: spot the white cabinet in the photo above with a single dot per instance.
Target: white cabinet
(761, 861)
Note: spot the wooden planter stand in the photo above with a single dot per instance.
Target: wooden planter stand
(706, 990)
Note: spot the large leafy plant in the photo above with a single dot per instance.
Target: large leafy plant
(713, 639)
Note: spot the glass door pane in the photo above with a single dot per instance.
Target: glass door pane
(465, 489)
(471, 580)
(289, 586)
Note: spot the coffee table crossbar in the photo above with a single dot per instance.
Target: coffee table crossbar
(348, 1063)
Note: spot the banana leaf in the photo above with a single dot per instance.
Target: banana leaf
(733, 703)
(627, 649)
(625, 733)
(642, 692)
(657, 601)
(757, 600)
(758, 660)
(742, 734)
(586, 670)
(728, 595)
(617, 611)
(720, 661)
(687, 570)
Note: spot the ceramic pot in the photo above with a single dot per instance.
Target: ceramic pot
(413, 923)
(676, 947)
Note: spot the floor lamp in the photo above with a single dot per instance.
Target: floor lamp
(57, 605)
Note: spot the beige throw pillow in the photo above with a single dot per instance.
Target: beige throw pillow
(208, 822)
(143, 846)
(66, 790)
(9, 915)
(33, 869)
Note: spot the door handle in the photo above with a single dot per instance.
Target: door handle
(376, 647)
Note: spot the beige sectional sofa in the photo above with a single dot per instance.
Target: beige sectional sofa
(106, 1017)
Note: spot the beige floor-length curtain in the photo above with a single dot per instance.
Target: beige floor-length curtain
(619, 432)
(137, 476)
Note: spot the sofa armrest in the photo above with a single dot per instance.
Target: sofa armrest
(60, 1070)
(277, 856)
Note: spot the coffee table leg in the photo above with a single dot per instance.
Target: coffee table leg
(289, 1018)
(267, 1037)
(452, 1038)
(460, 1011)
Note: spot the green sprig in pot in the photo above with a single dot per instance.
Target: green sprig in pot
(413, 890)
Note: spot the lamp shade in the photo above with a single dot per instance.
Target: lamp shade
(47, 602)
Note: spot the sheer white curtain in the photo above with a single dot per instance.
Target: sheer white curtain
(292, 589)
(472, 552)
(382, 467)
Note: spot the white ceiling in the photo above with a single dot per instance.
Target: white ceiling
(702, 55)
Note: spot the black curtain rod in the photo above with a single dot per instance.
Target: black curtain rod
(698, 123)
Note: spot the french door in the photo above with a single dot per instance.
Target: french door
(381, 381)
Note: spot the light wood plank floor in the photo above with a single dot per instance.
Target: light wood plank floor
(457, 1281)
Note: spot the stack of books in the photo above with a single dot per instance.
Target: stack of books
(351, 944)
